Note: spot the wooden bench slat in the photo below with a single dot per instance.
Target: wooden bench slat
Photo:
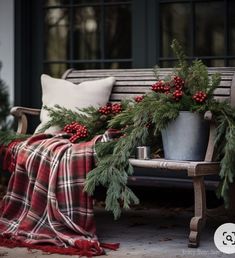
(143, 81)
(134, 82)
(142, 76)
(194, 168)
(147, 88)
(122, 96)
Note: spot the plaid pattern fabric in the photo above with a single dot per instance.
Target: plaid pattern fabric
(45, 202)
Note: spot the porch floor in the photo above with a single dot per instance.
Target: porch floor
(143, 232)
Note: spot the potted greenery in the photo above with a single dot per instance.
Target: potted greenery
(189, 88)
(189, 91)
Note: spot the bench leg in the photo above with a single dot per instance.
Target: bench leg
(198, 221)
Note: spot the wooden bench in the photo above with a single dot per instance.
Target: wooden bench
(135, 82)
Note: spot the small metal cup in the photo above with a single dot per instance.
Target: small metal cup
(143, 152)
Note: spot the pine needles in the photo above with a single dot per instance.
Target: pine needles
(113, 169)
(225, 141)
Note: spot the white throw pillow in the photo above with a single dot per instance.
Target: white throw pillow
(72, 96)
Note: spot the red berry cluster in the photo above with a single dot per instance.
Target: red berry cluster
(158, 86)
(161, 86)
(111, 109)
(167, 88)
(200, 96)
(138, 98)
(177, 95)
(116, 108)
(178, 82)
(105, 110)
(77, 130)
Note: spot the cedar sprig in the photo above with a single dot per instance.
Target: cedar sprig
(7, 137)
(225, 142)
(89, 117)
(112, 171)
(182, 67)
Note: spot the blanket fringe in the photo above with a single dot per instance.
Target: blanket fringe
(111, 246)
(82, 247)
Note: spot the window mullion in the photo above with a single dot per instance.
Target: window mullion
(102, 33)
(226, 32)
(71, 30)
(192, 29)
(139, 33)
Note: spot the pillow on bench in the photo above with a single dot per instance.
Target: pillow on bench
(72, 96)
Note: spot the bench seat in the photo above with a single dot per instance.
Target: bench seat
(195, 169)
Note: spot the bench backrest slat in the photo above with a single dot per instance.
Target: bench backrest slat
(135, 82)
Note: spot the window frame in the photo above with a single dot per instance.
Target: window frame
(226, 57)
(102, 61)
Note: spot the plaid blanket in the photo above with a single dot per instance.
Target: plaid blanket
(45, 206)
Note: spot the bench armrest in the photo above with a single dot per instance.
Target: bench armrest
(20, 113)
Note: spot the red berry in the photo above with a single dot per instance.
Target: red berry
(105, 110)
(138, 98)
(177, 95)
(116, 108)
(178, 82)
(77, 130)
(199, 96)
(158, 86)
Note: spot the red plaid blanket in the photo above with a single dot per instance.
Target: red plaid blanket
(45, 206)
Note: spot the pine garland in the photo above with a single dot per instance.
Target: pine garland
(225, 143)
(141, 120)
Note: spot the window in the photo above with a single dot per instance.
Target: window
(206, 29)
(88, 34)
(54, 35)
(96, 34)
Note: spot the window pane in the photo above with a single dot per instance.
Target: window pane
(174, 23)
(55, 70)
(92, 65)
(231, 63)
(168, 64)
(209, 28)
(117, 31)
(231, 27)
(86, 1)
(117, 65)
(56, 31)
(87, 33)
(55, 2)
(214, 63)
(117, 1)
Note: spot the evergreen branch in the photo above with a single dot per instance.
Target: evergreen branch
(225, 140)
(181, 57)
(198, 78)
(6, 137)
(112, 171)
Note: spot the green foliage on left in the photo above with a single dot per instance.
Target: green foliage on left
(8, 136)
(4, 106)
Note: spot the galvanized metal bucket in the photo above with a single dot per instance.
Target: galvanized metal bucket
(186, 137)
